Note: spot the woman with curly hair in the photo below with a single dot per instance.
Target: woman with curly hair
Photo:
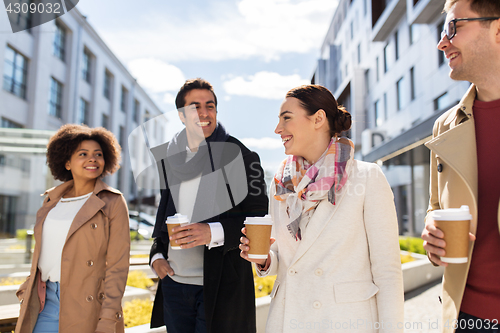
(336, 249)
(81, 257)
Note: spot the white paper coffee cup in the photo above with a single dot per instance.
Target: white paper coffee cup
(455, 224)
(259, 234)
(174, 221)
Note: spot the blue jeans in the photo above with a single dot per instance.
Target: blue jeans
(470, 323)
(183, 310)
(48, 319)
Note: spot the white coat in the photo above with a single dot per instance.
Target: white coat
(345, 274)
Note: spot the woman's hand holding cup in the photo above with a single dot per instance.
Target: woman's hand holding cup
(244, 247)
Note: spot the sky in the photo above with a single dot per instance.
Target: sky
(252, 51)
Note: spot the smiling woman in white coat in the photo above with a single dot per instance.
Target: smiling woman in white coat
(335, 246)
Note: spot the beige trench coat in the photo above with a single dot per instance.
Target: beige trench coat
(454, 147)
(94, 265)
(345, 274)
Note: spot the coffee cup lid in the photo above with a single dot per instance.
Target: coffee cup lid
(452, 214)
(265, 220)
(177, 218)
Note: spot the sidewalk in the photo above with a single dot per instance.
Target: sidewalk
(423, 309)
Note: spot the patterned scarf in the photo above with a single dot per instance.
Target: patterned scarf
(303, 186)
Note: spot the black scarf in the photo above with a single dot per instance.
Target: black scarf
(176, 155)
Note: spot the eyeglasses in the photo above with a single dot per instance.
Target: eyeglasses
(450, 29)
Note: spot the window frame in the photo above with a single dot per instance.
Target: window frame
(10, 83)
(55, 91)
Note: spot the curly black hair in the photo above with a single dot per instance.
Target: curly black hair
(67, 140)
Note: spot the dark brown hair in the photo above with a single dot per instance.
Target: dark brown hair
(67, 140)
(198, 83)
(314, 97)
(486, 8)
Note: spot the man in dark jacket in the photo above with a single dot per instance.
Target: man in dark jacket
(217, 182)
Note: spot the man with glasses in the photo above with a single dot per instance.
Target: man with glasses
(464, 166)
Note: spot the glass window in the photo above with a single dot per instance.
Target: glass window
(9, 124)
(59, 41)
(385, 106)
(386, 60)
(359, 53)
(104, 121)
(400, 94)
(55, 98)
(83, 111)
(108, 78)
(121, 136)
(86, 64)
(440, 53)
(24, 17)
(379, 116)
(137, 107)
(15, 73)
(442, 102)
(396, 45)
(124, 97)
(412, 79)
(408, 176)
(367, 80)
(414, 33)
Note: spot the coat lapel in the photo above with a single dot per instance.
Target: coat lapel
(457, 147)
(91, 207)
(40, 218)
(88, 210)
(321, 217)
(54, 195)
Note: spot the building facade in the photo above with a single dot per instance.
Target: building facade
(379, 58)
(57, 73)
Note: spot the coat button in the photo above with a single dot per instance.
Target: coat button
(316, 305)
(102, 296)
(440, 167)
(90, 263)
(90, 298)
(118, 315)
(291, 272)
(318, 272)
(93, 226)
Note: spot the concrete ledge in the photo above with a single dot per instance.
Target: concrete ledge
(262, 309)
(8, 317)
(419, 272)
(8, 295)
(136, 293)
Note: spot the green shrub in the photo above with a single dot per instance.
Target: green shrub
(412, 244)
(133, 235)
